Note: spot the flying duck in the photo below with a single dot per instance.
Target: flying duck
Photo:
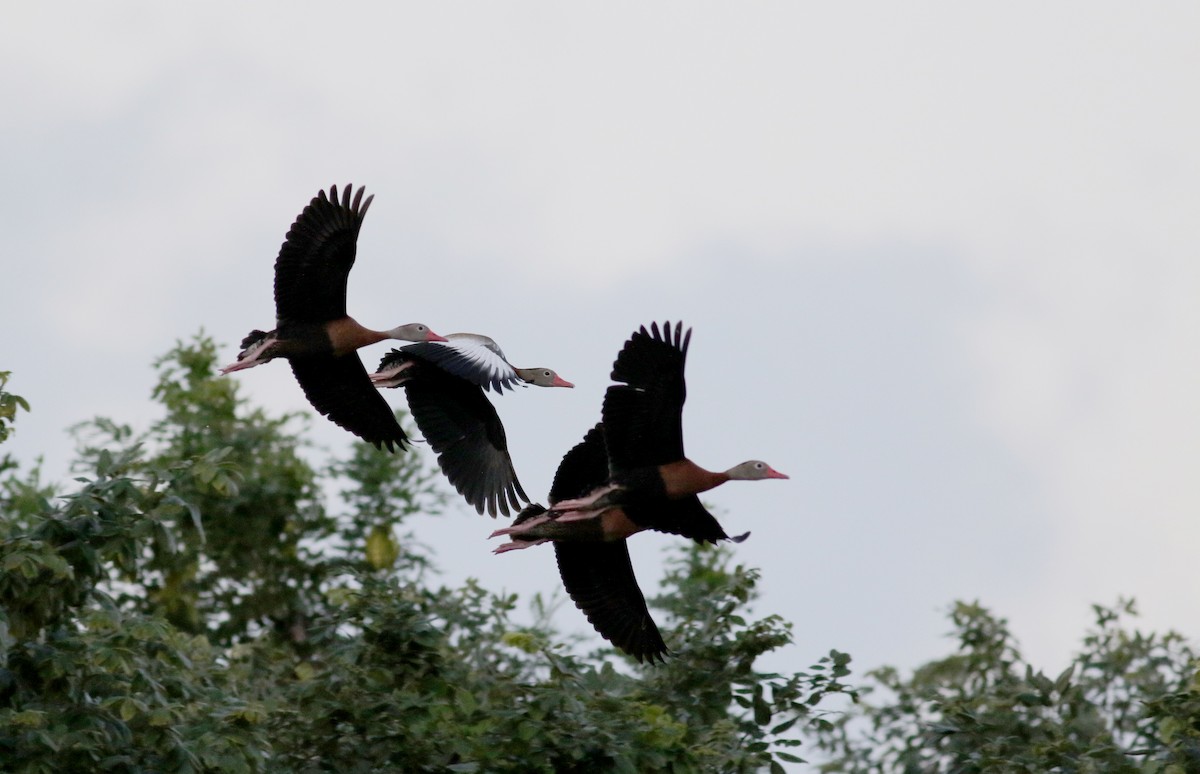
(642, 417)
(313, 331)
(592, 555)
(444, 383)
(628, 474)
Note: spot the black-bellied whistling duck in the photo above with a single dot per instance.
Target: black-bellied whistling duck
(642, 418)
(313, 331)
(628, 474)
(592, 555)
(476, 358)
(444, 383)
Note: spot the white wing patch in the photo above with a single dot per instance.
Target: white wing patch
(469, 356)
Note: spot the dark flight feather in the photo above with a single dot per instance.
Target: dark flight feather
(339, 388)
(315, 259)
(643, 415)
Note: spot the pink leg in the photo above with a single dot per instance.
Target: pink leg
(520, 528)
(583, 503)
(518, 545)
(391, 377)
(256, 354)
(240, 365)
(566, 517)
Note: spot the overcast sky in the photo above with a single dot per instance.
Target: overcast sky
(942, 261)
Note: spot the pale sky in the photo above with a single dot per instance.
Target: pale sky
(942, 261)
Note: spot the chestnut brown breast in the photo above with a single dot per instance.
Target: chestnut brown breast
(346, 335)
(684, 477)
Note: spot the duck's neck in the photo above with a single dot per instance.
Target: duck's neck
(347, 335)
(684, 477)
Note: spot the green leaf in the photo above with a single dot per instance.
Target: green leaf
(1063, 681)
(762, 712)
(466, 701)
(28, 718)
(161, 718)
(521, 640)
(382, 550)
(784, 726)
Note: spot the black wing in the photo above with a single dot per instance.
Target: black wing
(339, 388)
(315, 259)
(582, 469)
(599, 576)
(643, 416)
(600, 580)
(686, 517)
(464, 429)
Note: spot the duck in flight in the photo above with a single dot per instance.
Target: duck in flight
(628, 474)
(314, 333)
(445, 383)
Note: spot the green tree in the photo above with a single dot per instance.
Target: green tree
(199, 602)
(1129, 702)
(86, 685)
(9, 404)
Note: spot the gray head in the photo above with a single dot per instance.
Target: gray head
(753, 470)
(414, 332)
(542, 377)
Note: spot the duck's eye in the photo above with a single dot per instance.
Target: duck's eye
(758, 465)
(545, 373)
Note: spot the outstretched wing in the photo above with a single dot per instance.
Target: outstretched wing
(685, 517)
(599, 578)
(315, 259)
(339, 388)
(464, 429)
(476, 359)
(582, 469)
(643, 415)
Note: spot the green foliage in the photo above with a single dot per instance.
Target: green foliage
(85, 685)
(9, 404)
(196, 604)
(121, 693)
(1129, 702)
(412, 679)
(381, 491)
(712, 669)
(245, 503)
